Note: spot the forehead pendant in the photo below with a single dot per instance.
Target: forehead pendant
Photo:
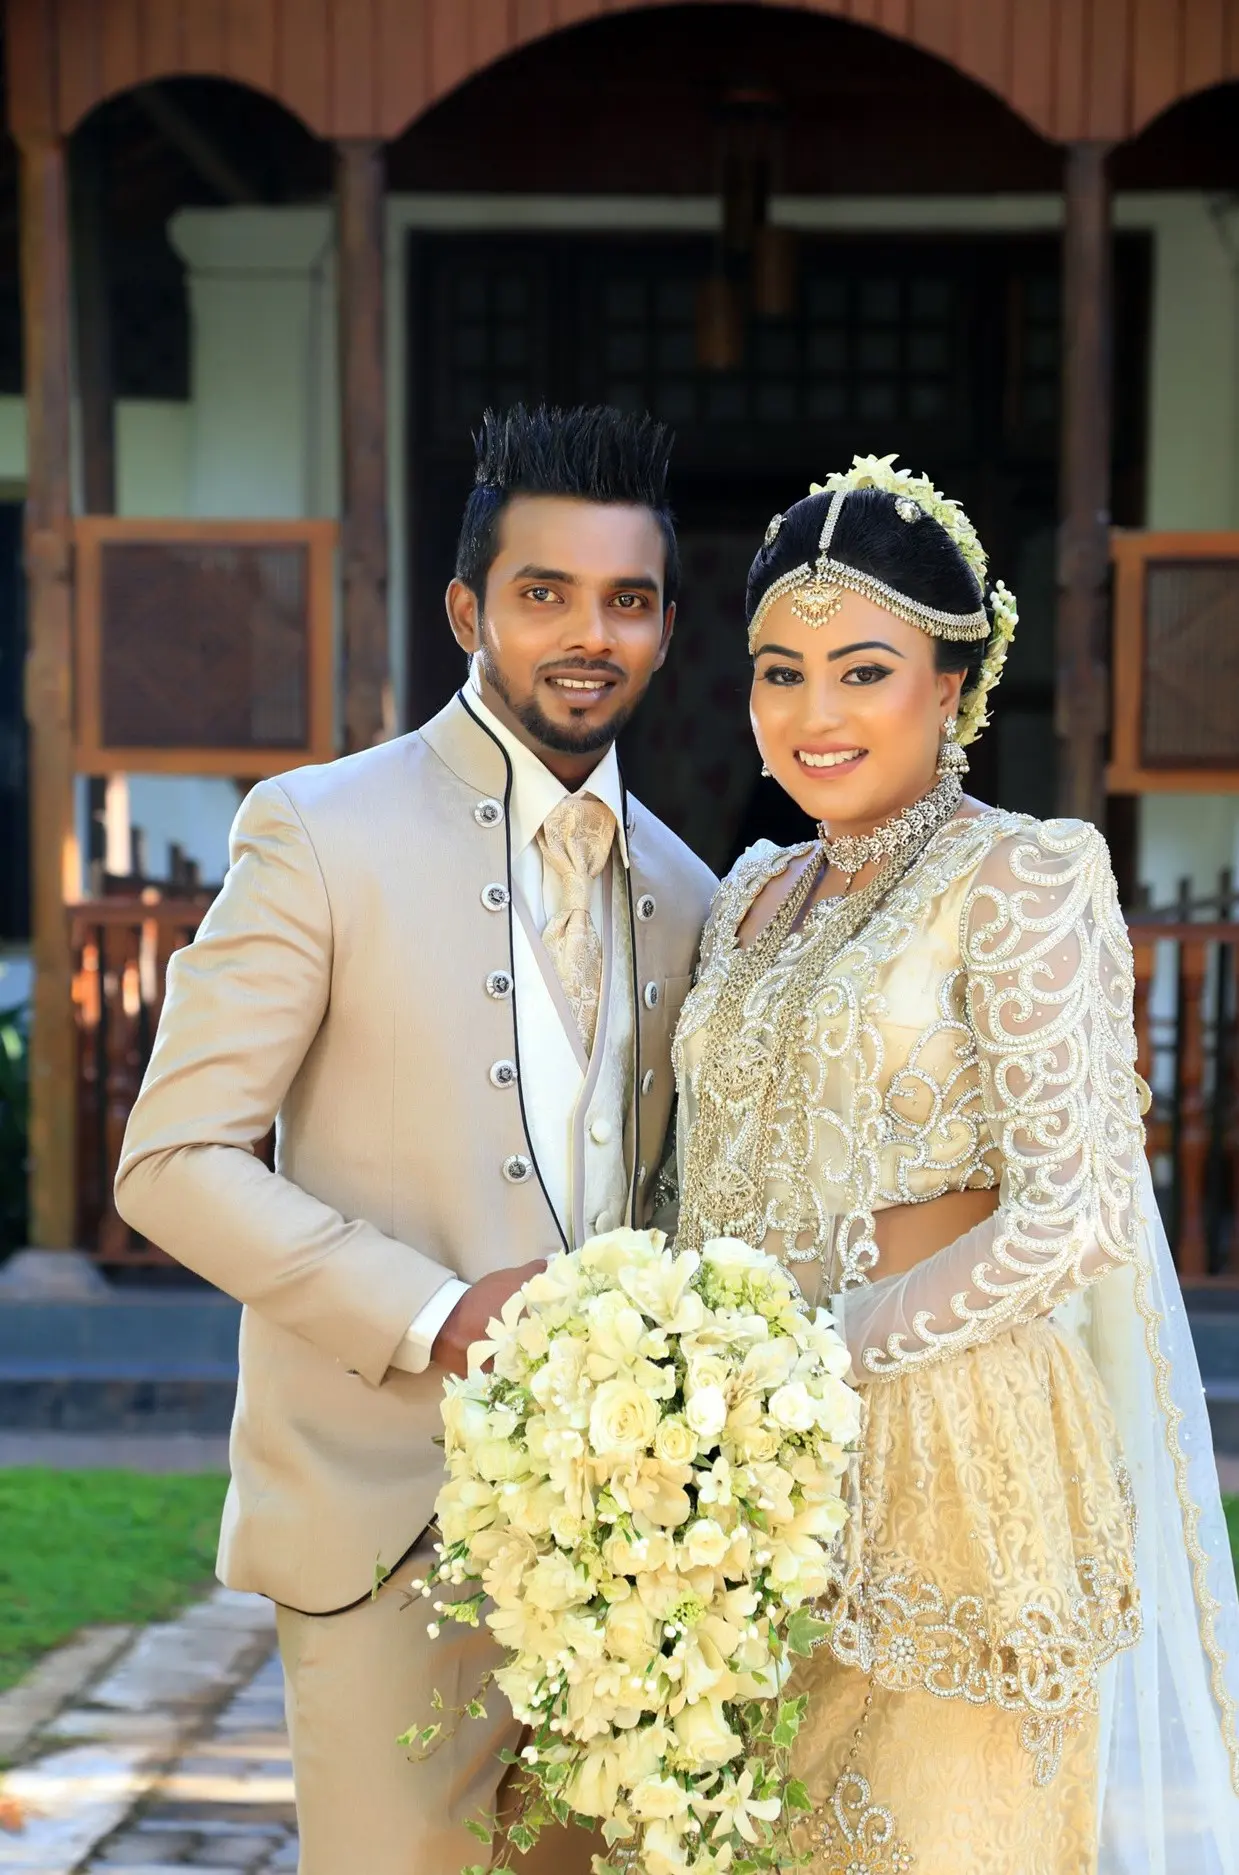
(817, 601)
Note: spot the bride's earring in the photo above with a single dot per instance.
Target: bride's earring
(952, 759)
(765, 772)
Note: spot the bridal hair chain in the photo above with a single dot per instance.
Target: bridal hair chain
(897, 837)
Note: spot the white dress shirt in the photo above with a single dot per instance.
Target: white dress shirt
(550, 1070)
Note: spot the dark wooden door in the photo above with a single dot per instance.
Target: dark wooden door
(942, 349)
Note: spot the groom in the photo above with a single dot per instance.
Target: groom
(449, 968)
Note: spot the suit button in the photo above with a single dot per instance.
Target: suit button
(641, 1175)
(503, 1074)
(488, 812)
(499, 984)
(647, 1081)
(601, 1132)
(517, 1169)
(495, 897)
(605, 1220)
(652, 995)
(647, 905)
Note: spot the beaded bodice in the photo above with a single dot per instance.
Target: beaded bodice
(882, 1098)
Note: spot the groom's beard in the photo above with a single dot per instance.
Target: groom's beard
(555, 736)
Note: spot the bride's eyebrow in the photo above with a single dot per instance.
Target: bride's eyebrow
(866, 644)
(782, 650)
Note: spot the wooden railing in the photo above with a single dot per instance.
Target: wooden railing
(1187, 1027)
(121, 948)
(1187, 1008)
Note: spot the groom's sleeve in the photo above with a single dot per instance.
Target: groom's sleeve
(244, 1003)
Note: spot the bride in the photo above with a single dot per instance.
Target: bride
(908, 1069)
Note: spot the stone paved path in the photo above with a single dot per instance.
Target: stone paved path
(173, 1756)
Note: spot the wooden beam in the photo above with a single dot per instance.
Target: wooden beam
(363, 442)
(1081, 706)
(49, 703)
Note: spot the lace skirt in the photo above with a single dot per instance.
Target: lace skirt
(988, 1575)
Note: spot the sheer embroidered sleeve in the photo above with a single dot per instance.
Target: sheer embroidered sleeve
(1049, 984)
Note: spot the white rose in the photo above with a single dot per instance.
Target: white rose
(793, 1408)
(705, 1544)
(838, 1413)
(707, 1370)
(465, 1417)
(706, 1412)
(658, 1799)
(499, 1459)
(674, 1442)
(631, 1632)
(732, 1256)
(622, 1419)
(555, 1582)
(663, 1850)
(704, 1737)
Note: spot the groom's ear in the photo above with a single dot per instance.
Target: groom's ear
(464, 615)
(668, 628)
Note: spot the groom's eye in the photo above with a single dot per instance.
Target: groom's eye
(540, 593)
(631, 601)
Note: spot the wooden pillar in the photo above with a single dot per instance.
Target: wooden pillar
(363, 442)
(93, 322)
(1081, 700)
(46, 325)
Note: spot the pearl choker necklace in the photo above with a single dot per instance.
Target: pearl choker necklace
(895, 837)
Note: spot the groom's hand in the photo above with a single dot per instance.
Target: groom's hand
(467, 1321)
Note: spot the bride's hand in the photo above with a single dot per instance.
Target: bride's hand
(467, 1321)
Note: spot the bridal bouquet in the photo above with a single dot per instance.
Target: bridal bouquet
(646, 1488)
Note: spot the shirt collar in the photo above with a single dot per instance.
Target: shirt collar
(536, 791)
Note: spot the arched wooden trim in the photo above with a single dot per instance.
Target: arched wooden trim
(1073, 69)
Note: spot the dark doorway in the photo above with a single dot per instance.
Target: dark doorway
(943, 349)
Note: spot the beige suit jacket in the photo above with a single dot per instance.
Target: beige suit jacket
(344, 984)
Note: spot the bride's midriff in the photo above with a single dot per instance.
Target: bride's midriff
(908, 1233)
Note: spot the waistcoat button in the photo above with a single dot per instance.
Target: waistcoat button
(499, 984)
(488, 812)
(496, 897)
(600, 1132)
(647, 1081)
(641, 1175)
(647, 905)
(652, 994)
(605, 1220)
(503, 1074)
(517, 1168)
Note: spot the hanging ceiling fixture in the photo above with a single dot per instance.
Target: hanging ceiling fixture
(755, 263)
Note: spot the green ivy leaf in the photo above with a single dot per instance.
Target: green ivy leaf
(796, 1796)
(804, 1630)
(482, 1831)
(476, 1709)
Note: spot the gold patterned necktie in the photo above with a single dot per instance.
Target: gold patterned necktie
(575, 839)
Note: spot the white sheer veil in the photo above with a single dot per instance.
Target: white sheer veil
(1170, 1741)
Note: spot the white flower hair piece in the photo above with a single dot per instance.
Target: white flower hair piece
(880, 472)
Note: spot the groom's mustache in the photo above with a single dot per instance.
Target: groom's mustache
(592, 666)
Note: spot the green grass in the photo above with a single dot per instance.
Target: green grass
(1231, 1506)
(78, 1547)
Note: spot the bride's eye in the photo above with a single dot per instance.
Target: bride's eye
(866, 674)
(780, 674)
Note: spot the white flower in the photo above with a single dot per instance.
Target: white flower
(792, 1408)
(767, 1364)
(674, 1441)
(555, 1582)
(622, 1420)
(631, 1631)
(658, 1797)
(704, 1737)
(663, 1851)
(660, 1289)
(706, 1411)
(704, 1543)
(736, 1806)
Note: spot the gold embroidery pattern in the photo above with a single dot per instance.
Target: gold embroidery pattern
(903, 1632)
(857, 1836)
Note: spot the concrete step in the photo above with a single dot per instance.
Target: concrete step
(130, 1361)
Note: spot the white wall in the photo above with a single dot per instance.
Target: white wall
(260, 436)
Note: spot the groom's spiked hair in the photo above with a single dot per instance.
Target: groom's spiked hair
(590, 454)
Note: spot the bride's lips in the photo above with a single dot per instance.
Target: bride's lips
(831, 763)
